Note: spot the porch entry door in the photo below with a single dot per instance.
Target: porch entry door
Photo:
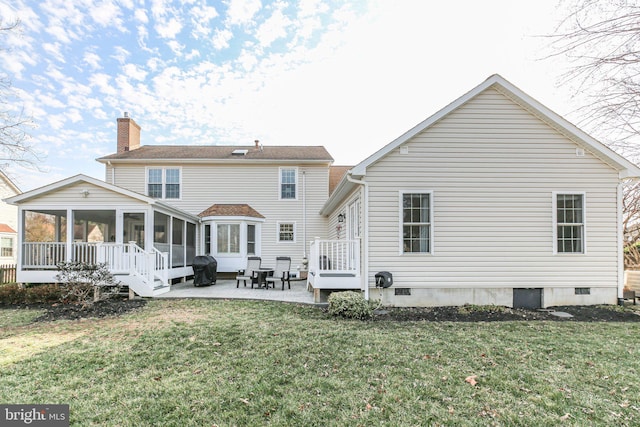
(133, 228)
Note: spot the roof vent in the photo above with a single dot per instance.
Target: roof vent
(240, 152)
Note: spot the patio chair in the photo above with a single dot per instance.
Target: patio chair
(281, 272)
(253, 263)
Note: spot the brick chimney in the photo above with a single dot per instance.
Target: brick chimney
(128, 134)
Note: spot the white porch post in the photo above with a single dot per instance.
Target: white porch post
(69, 238)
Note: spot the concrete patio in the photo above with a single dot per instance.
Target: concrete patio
(226, 289)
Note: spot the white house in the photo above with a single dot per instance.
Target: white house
(494, 199)
(8, 221)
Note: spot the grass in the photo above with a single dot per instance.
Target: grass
(228, 363)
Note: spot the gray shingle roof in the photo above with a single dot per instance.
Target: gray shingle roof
(222, 152)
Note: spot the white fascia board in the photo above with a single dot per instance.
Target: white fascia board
(236, 161)
(218, 218)
(74, 180)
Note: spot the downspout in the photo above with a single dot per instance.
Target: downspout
(620, 242)
(365, 240)
(304, 213)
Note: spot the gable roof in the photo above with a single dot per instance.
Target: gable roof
(9, 182)
(51, 188)
(208, 153)
(625, 168)
(4, 228)
(336, 173)
(230, 210)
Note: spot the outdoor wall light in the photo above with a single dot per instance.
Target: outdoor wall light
(341, 218)
(85, 193)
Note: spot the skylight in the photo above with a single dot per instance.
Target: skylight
(240, 152)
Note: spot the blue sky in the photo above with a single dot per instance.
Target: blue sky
(349, 75)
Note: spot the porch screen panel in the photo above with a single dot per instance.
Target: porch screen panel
(177, 243)
(191, 243)
(161, 231)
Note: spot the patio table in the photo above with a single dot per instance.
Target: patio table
(261, 278)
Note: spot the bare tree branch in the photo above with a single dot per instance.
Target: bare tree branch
(16, 146)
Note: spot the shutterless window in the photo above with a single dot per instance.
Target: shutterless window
(288, 183)
(286, 232)
(251, 239)
(163, 183)
(172, 186)
(6, 246)
(416, 222)
(228, 238)
(570, 223)
(154, 185)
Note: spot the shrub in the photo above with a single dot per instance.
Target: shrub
(86, 283)
(350, 304)
(41, 294)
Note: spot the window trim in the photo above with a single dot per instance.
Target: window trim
(401, 194)
(164, 181)
(12, 242)
(554, 214)
(229, 224)
(286, 242)
(280, 183)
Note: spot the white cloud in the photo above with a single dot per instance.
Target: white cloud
(168, 29)
(103, 83)
(141, 16)
(201, 17)
(176, 47)
(242, 11)
(92, 59)
(74, 115)
(192, 55)
(121, 54)
(134, 72)
(273, 28)
(221, 39)
(107, 14)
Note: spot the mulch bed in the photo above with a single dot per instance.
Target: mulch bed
(120, 306)
(455, 314)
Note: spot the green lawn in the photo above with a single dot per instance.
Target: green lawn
(228, 363)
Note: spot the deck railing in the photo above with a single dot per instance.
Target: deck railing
(335, 256)
(120, 258)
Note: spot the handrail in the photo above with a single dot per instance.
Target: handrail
(334, 256)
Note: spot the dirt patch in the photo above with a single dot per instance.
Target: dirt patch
(595, 313)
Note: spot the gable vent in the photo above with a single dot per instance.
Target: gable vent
(240, 152)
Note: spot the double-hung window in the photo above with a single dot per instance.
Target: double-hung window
(6, 246)
(416, 222)
(288, 183)
(570, 223)
(163, 183)
(286, 232)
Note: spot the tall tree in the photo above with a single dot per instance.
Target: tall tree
(602, 41)
(15, 142)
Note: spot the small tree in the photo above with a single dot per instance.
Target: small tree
(86, 283)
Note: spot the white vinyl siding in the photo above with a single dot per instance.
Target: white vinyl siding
(203, 185)
(492, 167)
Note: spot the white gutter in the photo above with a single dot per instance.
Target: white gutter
(365, 240)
